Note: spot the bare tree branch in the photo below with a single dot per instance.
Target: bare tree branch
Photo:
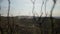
(41, 11)
(40, 19)
(33, 2)
(34, 19)
(45, 8)
(8, 7)
(54, 1)
(52, 8)
(8, 17)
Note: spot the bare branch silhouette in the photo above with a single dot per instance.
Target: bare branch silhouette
(41, 12)
(40, 18)
(9, 32)
(33, 2)
(8, 7)
(54, 1)
(34, 19)
(45, 8)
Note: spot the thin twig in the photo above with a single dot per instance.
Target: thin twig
(33, 2)
(45, 8)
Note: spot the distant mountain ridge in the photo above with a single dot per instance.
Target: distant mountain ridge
(29, 17)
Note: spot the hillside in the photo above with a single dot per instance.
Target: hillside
(27, 25)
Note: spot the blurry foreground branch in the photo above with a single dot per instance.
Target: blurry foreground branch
(9, 31)
(54, 1)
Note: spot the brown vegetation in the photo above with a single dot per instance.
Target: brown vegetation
(25, 26)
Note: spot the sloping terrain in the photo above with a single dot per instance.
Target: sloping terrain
(26, 26)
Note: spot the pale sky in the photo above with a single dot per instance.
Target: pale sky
(24, 7)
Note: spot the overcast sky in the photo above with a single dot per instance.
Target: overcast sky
(24, 7)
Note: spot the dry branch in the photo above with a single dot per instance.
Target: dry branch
(45, 8)
(9, 31)
(54, 1)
